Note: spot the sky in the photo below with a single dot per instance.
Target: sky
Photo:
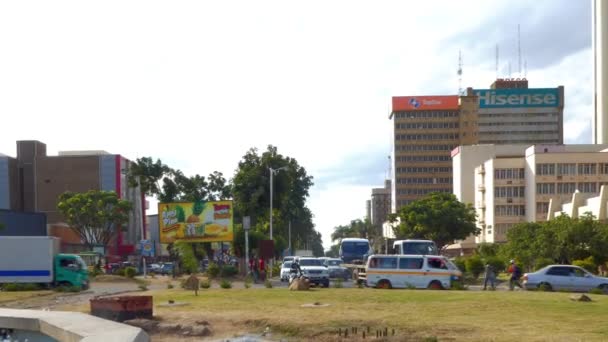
(198, 83)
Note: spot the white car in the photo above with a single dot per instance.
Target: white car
(315, 271)
(285, 268)
(564, 277)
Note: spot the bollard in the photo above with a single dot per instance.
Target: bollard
(345, 333)
(364, 335)
(340, 332)
(393, 332)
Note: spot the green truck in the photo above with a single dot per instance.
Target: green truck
(36, 259)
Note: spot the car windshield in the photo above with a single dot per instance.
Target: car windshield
(353, 247)
(334, 262)
(287, 264)
(419, 248)
(451, 265)
(310, 262)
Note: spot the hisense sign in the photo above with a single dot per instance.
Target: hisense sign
(511, 98)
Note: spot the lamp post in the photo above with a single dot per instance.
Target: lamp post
(272, 172)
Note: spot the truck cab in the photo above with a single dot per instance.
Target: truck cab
(354, 250)
(71, 270)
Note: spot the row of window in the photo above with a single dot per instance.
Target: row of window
(502, 228)
(424, 147)
(567, 188)
(519, 141)
(508, 191)
(410, 169)
(518, 115)
(560, 169)
(406, 263)
(422, 158)
(487, 124)
(426, 125)
(425, 180)
(507, 132)
(418, 191)
(426, 114)
(542, 207)
(510, 210)
(510, 173)
(437, 136)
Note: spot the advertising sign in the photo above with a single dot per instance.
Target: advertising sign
(146, 248)
(511, 98)
(408, 103)
(196, 221)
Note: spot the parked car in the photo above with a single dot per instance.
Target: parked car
(285, 268)
(315, 271)
(564, 277)
(334, 265)
(156, 268)
(167, 268)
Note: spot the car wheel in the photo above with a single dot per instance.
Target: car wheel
(435, 285)
(545, 287)
(384, 284)
(604, 288)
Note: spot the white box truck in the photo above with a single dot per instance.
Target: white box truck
(36, 259)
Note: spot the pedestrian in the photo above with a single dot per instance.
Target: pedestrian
(262, 269)
(253, 269)
(515, 275)
(489, 276)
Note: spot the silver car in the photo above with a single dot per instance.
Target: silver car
(564, 277)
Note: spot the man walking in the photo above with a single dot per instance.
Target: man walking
(489, 276)
(515, 275)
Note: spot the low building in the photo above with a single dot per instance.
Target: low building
(33, 181)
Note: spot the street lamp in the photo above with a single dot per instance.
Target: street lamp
(272, 172)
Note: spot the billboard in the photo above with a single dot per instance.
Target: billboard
(518, 98)
(196, 221)
(408, 103)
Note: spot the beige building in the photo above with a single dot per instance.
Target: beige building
(512, 187)
(380, 205)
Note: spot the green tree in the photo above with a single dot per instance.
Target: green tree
(333, 252)
(474, 265)
(439, 217)
(95, 216)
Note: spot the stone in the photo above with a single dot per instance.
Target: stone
(580, 298)
(201, 331)
(148, 325)
(299, 285)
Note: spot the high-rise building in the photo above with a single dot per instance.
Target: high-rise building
(380, 205)
(33, 182)
(428, 128)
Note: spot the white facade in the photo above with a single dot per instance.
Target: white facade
(535, 186)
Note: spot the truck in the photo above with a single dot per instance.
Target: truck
(354, 253)
(303, 253)
(36, 259)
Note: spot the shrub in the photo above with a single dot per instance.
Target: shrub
(13, 287)
(597, 291)
(121, 272)
(170, 286)
(542, 262)
(228, 271)
(64, 288)
(458, 286)
(225, 284)
(205, 284)
(338, 283)
(276, 268)
(588, 264)
(268, 284)
(248, 282)
(130, 272)
(213, 270)
(460, 263)
(498, 264)
(474, 266)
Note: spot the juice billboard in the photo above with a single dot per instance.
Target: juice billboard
(196, 221)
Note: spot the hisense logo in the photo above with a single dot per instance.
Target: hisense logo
(520, 98)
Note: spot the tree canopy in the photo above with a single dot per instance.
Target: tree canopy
(439, 217)
(94, 215)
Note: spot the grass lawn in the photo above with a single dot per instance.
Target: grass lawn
(18, 295)
(414, 314)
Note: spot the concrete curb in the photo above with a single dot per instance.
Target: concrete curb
(70, 326)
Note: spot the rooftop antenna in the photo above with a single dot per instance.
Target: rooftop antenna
(496, 61)
(525, 68)
(519, 50)
(459, 72)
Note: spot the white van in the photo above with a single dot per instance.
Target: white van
(411, 271)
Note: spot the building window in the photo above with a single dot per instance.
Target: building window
(566, 169)
(587, 169)
(508, 191)
(509, 174)
(604, 168)
(542, 207)
(545, 169)
(566, 188)
(510, 210)
(545, 188)
(587, 187)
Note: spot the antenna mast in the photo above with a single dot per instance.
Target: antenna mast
(459, 72)
(519, 50)
(525, 68)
